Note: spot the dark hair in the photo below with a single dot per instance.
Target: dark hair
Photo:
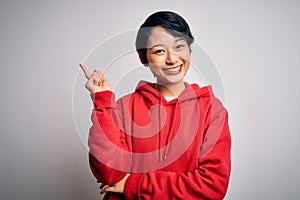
(172, 22)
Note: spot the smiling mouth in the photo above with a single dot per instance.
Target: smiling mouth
(173, 69)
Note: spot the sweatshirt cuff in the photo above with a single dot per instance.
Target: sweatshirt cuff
(132, 184)
(103, 99)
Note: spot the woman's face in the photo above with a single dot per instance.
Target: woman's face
(168, 56)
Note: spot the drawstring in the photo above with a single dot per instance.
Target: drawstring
(171, 131)
(159, 128)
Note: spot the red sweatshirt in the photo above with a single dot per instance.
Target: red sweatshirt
(173, 150)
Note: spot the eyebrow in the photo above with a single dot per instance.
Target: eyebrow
(157, 45)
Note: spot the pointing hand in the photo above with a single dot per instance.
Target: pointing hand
(96, 81)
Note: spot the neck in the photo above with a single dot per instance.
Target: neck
(170, 89)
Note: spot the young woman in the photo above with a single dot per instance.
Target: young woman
(168, 139)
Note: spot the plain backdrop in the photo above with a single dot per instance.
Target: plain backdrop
(255, 46)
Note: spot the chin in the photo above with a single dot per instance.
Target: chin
(173, 81)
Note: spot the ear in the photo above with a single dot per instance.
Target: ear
(143, 61)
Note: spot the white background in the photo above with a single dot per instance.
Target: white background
(255, 46)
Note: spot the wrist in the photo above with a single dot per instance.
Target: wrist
(103, 99)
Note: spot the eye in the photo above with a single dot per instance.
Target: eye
(159, 51)
(179, 46)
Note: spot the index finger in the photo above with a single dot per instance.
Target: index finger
(86, 72)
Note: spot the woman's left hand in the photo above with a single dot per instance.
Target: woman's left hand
(118, 187)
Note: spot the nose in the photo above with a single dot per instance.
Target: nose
(171, 58)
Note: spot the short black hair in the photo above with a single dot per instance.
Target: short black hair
(172, 22)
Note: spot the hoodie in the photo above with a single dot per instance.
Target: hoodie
(177, 149)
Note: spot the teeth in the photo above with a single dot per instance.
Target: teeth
(173, 69)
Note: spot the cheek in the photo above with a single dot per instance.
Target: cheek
(154, 67)
(154, 70)
(186, 56)
(155, 60)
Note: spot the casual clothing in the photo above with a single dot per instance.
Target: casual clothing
(177, 149)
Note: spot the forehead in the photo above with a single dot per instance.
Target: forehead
(160, 35)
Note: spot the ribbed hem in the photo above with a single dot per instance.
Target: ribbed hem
(132, 184)
(103, 99)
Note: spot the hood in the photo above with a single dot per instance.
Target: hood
(193, 91)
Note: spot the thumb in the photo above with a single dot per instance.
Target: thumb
(107, 189)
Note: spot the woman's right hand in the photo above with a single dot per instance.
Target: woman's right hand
(96, 81)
